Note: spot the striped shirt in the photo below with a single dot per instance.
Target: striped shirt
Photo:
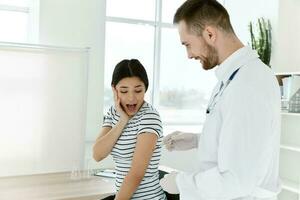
(145, 120)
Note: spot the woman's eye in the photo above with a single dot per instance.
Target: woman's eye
(123, 92)
(139, 91)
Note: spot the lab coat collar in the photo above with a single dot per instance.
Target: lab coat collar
(234, 61)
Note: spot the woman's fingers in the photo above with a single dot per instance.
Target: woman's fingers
(116, 98)
(118, 105)
(115, 93)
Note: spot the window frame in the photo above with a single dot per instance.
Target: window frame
(33, 18)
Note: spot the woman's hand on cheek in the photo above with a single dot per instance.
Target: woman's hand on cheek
(123, 115)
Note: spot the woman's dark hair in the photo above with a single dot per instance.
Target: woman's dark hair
(129, 68)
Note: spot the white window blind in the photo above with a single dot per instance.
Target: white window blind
(42, 109)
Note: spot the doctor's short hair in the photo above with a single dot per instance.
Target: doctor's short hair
(199, 13)
(129, 68)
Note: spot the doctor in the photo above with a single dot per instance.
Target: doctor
(239, 145)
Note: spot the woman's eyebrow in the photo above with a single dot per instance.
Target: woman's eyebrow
(138, 86)
(123, 87)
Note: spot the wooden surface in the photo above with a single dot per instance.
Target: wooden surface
(55, 186)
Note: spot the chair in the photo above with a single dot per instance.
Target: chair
(162, 172)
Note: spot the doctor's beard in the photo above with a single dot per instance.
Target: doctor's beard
(212, 58)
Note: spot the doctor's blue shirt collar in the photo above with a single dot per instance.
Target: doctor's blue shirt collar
(233, 62)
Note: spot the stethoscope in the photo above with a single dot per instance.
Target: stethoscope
(214, 101)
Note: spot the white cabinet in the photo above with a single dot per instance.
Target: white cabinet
(286, 59)
(290, 153)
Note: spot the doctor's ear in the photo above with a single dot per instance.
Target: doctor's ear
(210, 34)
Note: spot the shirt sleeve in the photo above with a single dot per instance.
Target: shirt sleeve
(247, 143)
(151, 123)
(107, 118)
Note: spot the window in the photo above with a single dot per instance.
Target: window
(179, 88)
(18, 21)
(184, 87)
(133, 9)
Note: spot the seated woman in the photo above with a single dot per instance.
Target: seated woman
(132, 134)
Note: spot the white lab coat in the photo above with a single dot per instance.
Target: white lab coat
(239, 144)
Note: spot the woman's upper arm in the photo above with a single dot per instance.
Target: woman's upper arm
(145, 145)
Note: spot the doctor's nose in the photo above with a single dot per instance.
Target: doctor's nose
(190, 55)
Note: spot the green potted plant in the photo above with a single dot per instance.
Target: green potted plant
(261, 39)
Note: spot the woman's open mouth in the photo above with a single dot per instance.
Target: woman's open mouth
(131, 107)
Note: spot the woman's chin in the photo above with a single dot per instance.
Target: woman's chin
(131, 113)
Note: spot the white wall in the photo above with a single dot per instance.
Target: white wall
(285, 18)
(287, 56)
(242, 12)
(78, 23)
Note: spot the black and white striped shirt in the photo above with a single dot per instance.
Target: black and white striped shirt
(146, 120)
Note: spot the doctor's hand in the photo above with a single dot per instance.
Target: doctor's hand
(168, 183)
(180, 141)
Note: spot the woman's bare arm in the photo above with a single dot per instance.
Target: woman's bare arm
(146, 143)
(106, 140)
